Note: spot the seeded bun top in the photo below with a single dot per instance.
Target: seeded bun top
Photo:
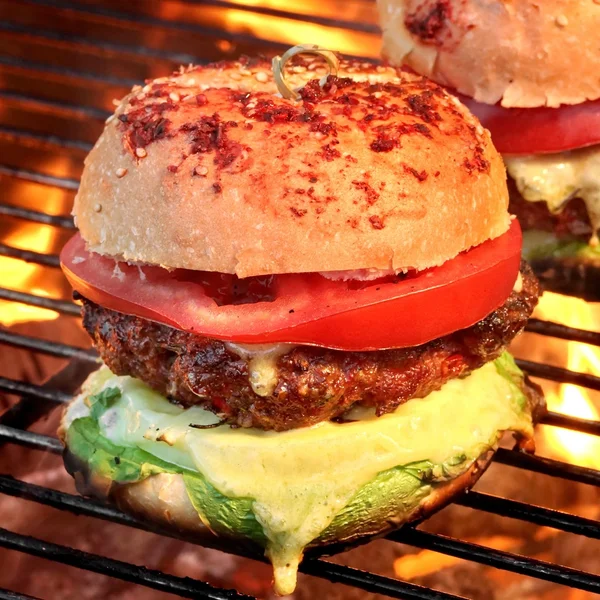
(211, 169)
(522, 53)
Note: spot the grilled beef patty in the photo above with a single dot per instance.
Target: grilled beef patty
(311, 384)
(572, 221)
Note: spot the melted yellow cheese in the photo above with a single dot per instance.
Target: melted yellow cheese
(262, 363)
(556, 178)
(301, 479)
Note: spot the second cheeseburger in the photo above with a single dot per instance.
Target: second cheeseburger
(529, 71)
(303, 305)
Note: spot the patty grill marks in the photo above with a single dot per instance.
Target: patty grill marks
(312, 384)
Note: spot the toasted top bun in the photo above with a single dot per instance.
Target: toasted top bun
(521, 53)
(211, 169)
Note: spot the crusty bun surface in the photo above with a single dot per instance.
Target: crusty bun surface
(210, 169)
(522, 53)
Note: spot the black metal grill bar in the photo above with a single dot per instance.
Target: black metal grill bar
(38, 392)
(179, 26)
(498, 558)
(69, 502)
(36, 216)
(143, 51)
(477, 500)
(528, 512)
(23, 414)
(573, 423)
(60, 306)
(371, 582)
(178, 57)
(454, 547)
(562, 332)
(64, 183)
(547, 466)
(47, 260)
(183, 586)
(36, 441)
(559, 374)
(28, 410)
(8, 595)
(31, 66)
(45, 347)
(315, 567)
(141, 18)
(508, 457)
(513, 458)
(309, 18)
(74, 111)
(37, 396)
(153, 22)
(46, 140)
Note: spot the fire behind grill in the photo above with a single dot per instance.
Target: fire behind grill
(61, 64)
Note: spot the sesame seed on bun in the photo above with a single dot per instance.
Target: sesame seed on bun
(211, 169)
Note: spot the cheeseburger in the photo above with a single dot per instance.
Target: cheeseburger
(302, 303)
(529, 71)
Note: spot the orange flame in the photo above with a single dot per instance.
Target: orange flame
(19, 275)
(578, 448)
(294, 30)
(26, 277)
(427, 562)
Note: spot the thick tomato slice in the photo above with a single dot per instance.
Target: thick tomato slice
(306, 308)
(543, 130)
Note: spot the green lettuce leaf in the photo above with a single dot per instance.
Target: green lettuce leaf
(128, 464)
(229, 516)
(403, 486)
(507, 368)
(538, 245)
(119, 463)
(99, 403)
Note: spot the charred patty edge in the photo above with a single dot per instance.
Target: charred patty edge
(312, 384)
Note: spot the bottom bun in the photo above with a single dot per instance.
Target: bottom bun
(318, 489)
(162, 500)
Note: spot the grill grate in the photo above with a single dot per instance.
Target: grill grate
(61, 63)
(183, 587)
